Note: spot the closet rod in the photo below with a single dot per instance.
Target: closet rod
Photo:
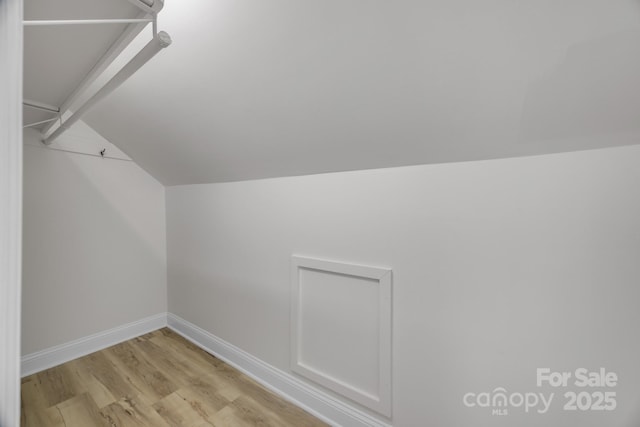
(86, 21)
(112, 53)
(160, 41)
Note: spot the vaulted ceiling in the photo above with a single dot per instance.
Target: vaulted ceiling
(254, 89)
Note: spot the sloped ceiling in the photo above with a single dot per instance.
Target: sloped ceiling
(253, 89)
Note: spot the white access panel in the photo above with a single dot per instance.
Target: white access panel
(341, 329)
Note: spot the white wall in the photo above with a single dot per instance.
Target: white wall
(94, 242)
(500, 267)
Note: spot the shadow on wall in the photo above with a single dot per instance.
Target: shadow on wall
(593, 94)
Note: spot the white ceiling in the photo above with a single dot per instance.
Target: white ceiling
(254, 89)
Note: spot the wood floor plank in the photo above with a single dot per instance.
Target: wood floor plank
(205, 404)
(156, 380)
(98, 391)
(287, 412)
(32, 394)
(177, 369)
(81, 411)
(213, 381)
(187, 351)
(223, 378)
(252, 413)
(49, 417)
(145, 336)
(104, 371)
(191, 348)
(132, 412)
(227, 417)
(58, 384)
(35, 409)
(178, 412)
(213, 389)
(147, 379)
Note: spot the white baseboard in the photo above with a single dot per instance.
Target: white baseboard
(53, 356)
(314, 401)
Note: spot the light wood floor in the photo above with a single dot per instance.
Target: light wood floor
(159, 379)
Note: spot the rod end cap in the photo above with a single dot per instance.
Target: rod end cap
(164, 38)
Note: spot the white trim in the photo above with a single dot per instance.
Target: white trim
(293, 389)
(10, 208)
(53, 356)
(379, 400)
